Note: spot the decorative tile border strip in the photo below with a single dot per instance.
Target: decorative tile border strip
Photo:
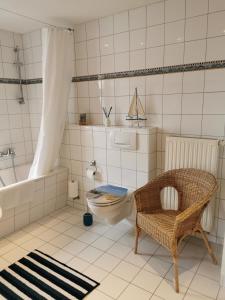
(10, 81)
(217, 64)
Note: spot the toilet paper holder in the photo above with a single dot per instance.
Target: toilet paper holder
(93, 164)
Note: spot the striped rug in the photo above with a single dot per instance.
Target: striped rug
(39, 276)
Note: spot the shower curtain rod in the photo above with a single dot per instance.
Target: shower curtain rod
(36, 20)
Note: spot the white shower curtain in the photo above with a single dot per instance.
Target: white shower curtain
(57, 75)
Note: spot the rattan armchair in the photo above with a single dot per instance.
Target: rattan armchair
(169, 227)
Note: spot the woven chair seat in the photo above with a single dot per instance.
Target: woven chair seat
(159, 225)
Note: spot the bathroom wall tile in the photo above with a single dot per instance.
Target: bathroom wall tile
(121, 42)
(121, 87)
(95, 105)
(86, 138)
(174, 32)
(214, 103)
(172, 14)
(193, 82)
(172, 104)
(154, 104)
(92, 29)
(128, 160)
(139, 83)
(81, 67)
(154, 57)
(137, 59)
(213, 125)
(216, 24)
(195, 51)
(113, 158)
(108, 87)
(174, 54)
(195, 8)
(122, 61)
(35, 38)
(114, 175)
(172, 83)
(121, 22)
(94, 65)
(191, 124)
(122, 104)
(196, 28)
(81, 50)
(154, 84)
(94, 88)
(137, 18)
(107, 45)
(129, 178)
(6, 38)
(171, 123)
(82, 89)
(80, 33)
(83, 105)
(93, 48)
(99, 139)
(137, 39)
(155, 36)
(106, 26)
(192, 103)
(215, 80)
(143, 162)
(215, 48)
(107, 64)
(155, 13)
(216, 5)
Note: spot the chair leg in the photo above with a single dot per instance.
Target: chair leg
(209, 248)
(176, 275)
(138, 231)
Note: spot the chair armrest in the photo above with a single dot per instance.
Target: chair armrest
(187, 220)
(148, 198)
(194, 209)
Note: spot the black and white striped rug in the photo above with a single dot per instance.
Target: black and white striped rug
(39, 276)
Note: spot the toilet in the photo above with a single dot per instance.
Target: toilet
(110, 203)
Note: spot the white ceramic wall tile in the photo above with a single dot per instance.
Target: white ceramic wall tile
(137, 18)
(92, 29)
(121, 42)
(106, 26)
(155, 13)
(155, 36)
(216, 24)
(195, 8)
(172, 14)
(121, 22)
(195, 51)
(138, 39)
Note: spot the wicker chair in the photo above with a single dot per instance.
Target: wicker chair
(169, 227)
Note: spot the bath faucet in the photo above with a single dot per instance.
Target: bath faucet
(8, 153)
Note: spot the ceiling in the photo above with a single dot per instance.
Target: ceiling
(24, 15)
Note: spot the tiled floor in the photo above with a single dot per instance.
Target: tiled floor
(105, 253)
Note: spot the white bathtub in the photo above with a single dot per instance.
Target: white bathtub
(8, 175)
(26, 201)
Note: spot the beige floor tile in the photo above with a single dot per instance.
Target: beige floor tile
(113, 286)
(133, 292)
(166, 291)
(205, 286)
(147, 281)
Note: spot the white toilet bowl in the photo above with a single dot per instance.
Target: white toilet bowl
(112, 212)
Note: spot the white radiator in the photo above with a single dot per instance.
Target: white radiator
(191, 153)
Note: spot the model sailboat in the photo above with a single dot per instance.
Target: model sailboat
(136, 110)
